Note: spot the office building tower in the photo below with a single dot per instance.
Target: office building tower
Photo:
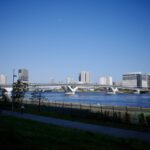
(23, 75)
(3, 79)
(106, 81)
(84, 77)
(136, 79)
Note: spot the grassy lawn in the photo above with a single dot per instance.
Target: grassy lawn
(78, 115)
(83, 116)
(21, 134)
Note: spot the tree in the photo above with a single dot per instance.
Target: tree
(141, 119)
(18, 92)
(37, 95)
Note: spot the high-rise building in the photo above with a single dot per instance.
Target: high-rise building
(136, 79)
(106, 81)
(84, 77)
(3, 79)
(23, 75)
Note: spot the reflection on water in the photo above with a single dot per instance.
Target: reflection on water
(97, 98)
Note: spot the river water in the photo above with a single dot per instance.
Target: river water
(97, 98)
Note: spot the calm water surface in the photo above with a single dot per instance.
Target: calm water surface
(97, 98)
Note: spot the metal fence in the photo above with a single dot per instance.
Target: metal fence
(120, 112)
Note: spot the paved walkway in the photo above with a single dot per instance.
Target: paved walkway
(83, 126)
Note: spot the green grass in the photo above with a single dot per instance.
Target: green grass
(76, 115)
(83, 116)
(21, 134)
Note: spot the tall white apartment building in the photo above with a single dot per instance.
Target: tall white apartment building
(23, 75)
(85, 77)
(3, 79)
(106, 81)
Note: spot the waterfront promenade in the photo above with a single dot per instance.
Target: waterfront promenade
(82, 126)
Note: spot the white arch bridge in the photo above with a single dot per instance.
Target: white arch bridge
(72, 88)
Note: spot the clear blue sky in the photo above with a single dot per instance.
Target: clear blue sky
(60, 38)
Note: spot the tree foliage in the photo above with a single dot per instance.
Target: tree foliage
(37, 95)
(19, 89)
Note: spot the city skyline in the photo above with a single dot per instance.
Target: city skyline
(57, 39)
(83, 77)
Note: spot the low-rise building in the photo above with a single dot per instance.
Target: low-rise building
(136, 79)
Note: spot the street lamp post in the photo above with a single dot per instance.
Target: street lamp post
(12, 89)
(39, 97)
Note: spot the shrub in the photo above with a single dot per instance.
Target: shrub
(148, 120)
(117, 116)
(127, 118)
(141, 119)
(106, 116)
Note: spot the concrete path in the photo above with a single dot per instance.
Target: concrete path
(83, 126)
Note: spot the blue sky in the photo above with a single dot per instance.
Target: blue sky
(59, 38)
